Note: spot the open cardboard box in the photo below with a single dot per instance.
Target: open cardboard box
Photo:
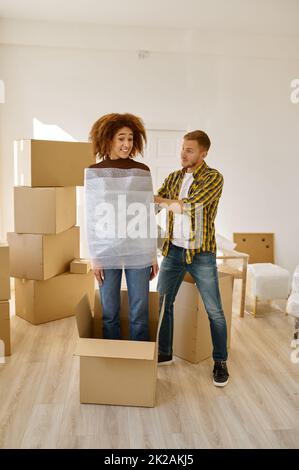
(192, 336)
(117, 372)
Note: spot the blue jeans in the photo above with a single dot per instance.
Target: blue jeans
(203, 269)
(138, 291)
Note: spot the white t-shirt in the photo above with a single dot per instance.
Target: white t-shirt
(181, 223)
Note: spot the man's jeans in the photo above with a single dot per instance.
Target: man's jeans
(138, 291)
(204, 272)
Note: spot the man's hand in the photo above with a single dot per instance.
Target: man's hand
(99, 274)
(154, 271)
(173, 205)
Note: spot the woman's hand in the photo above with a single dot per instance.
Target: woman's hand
(99, 274)
(154, 271)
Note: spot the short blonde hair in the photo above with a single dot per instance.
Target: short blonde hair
(201, 138)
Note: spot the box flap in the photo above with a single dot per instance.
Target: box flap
(115, 349)
(84, 318)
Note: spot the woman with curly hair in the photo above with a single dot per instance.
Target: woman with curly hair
(116, 140)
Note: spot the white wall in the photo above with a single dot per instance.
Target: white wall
(237, 88)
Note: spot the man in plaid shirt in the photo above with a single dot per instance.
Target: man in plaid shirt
(191, 196)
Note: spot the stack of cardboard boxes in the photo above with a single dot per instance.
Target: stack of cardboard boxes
(46, 239)
(4, 302)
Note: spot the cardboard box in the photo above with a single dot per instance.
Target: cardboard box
(52, 163)
(41, 257)
(259, 246)
(44, 210)
(44, 301)
(192, 335)
(80, 266)
(116, 372)
(4, 272)
(5, 349)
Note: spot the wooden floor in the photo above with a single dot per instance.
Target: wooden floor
(39, 395)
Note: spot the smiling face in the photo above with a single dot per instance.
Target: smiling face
(192, 154)
(122, 144)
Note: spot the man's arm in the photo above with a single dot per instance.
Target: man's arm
(164, 190)
(173, 205)
(162, 194)
(204, 194)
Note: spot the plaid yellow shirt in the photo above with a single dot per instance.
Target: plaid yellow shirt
(201, 204)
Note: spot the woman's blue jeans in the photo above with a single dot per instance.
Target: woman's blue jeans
(203, 269)
(138, 292)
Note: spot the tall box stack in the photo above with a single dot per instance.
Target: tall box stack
(46, 239)
(5, 349)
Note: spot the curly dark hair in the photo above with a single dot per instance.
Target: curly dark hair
(105, 128)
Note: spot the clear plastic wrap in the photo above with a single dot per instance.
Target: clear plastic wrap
(120, 218)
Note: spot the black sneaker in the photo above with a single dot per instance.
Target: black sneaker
(220, 374)
(164, 358)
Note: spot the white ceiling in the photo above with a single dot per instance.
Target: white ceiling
(248, 16)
